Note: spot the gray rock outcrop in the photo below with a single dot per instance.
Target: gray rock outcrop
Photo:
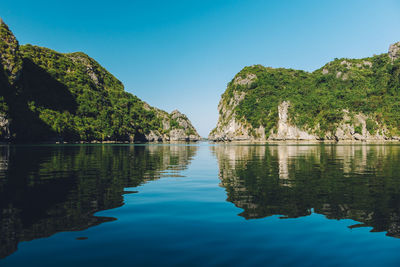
(394, 51)
(287, 131)
(176, 127)
(353, 127)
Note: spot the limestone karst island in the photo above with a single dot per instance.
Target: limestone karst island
(347, 99)
(51, 96)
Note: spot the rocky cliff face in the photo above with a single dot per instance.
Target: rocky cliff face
(178, 127)
(394, 51)
(353, 127)
(52, 96)
(228, 126)
(346, 100)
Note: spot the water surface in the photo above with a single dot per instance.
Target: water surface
(200, 204)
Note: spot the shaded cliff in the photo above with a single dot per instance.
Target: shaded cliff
(347, 99)
(51, 96)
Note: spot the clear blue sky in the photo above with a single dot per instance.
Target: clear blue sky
(181, 54)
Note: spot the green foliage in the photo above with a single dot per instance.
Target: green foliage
(317, 100)
(358, 129)
(371, 126)
(70, 97)
(46, 95)
(99, 108)
(10, 61)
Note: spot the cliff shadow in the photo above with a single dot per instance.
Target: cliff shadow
(34, 85)
(39, 86)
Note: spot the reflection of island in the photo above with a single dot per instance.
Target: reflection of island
(4, 154)
(45, 190)
(358, 182)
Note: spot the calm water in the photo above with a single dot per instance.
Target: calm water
(200, 204)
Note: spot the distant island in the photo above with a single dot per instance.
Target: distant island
(57, 97)
(347, 99)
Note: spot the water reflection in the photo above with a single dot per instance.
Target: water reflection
(45, 190)
(359, 182)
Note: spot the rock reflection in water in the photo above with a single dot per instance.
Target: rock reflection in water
(48, 189)
(359, 182)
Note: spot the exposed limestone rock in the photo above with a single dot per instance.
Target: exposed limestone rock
(367, 63)
(343, 76)
(394, 51)
(146, 106)
(154, 136)
(90, 70)
(233, 130)
(348, 64)
(181, 135)
(285, 130)
(249, 79)
(183, 131)
(180, 118)
(228, 128)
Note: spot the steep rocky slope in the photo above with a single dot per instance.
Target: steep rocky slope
(51, 96)
(347, 99)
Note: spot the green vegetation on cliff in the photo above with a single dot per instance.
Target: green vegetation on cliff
(81, 100)
(370, 86)
(48, 95)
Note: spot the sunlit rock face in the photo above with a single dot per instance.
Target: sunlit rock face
(394, 51)
(286, 130)
(356, 182)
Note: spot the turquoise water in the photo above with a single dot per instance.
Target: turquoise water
(200, 204)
